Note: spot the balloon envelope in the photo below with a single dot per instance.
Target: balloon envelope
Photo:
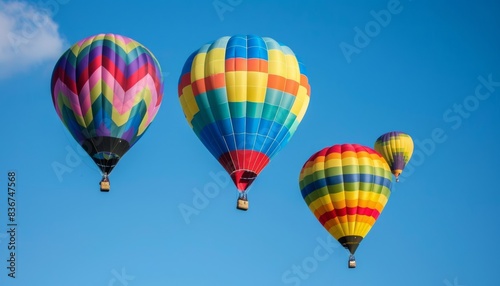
(244, 97)
(396, 147)
(107, 89)
(346, 187)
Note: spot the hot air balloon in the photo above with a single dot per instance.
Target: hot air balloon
(346, 187)
(107, 89)
(244, 97)
(396, 147)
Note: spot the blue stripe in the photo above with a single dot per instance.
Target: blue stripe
(236, 47)
(256, 47)
(345, 178)
(234, 135)
(187, 66)
(245, 125)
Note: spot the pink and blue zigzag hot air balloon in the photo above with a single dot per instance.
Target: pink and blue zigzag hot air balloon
(107, 89)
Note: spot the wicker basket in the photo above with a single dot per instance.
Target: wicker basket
(242, 205)
(104, 186)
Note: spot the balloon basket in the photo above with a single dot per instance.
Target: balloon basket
(352, 262)
(104, 186)
(242, 204)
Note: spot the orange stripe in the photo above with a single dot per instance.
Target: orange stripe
(304, 81)
(240, 64)
(198, 86)
(216, 81)
(257, 65)
(209, 83)
(291, 87)
(276, 82)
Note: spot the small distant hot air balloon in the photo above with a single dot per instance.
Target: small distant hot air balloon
(396, 148)
(107, 89)
(244, 97)
(346, 187)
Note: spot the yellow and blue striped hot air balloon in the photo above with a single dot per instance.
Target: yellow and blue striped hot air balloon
(346, 187)
(107, 89)
(244, 97)
(396, 147)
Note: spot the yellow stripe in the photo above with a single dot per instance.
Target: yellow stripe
(118, 41)
(109, 37)
(348, 228)
(75, 49)
(312, 166)
(198, 67)
(299, 106)
(121, 119)
(336, 231)
(292, 68)
(349, 161)
(216, 62)
(188, 103)
(351, 196)
(257, 86)
(236, 85)
(277, 63)
(87, 118)
(364, 227)
(147, 97)
(340, 229)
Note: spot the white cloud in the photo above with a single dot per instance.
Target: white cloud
(28, 37)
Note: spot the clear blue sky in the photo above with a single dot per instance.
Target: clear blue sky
(428, 68)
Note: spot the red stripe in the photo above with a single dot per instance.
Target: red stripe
(119, 77)
(324, 218)
(243, 160)
(339, 149)
(151, 70)
(60, 74)
(360, 148)
(321, 153)
(139, 74)
(96, 63)
(185, 81)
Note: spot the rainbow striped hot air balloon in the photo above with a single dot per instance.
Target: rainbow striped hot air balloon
(346, 187)
(244, 97)
(396, 147)
(107, 89)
